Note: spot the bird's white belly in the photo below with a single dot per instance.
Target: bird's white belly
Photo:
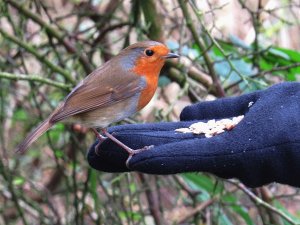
(101, 118)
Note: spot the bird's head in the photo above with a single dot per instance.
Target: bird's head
(146, 58)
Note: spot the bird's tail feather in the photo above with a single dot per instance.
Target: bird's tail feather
(33, 136)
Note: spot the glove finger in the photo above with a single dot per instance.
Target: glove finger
(148, 127)
(218, 155)
(220, 108)
(185, 153)
(107, 161)
(213, 155)
(248, 152)
(189, 155)
(253, 166)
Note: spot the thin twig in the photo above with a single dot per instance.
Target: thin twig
(36, 78)
(192, 72)
(152, 201)
(260, 202)
(200, 44)
(196, 210)
(232, 67)
(53, 32)
(8, 177)
(183, 185)
(40, 57)
(262, 73)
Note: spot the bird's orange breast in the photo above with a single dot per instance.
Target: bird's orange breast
(150, 70)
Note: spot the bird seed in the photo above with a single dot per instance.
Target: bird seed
(212, 127)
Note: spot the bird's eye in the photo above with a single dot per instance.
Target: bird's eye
(149, 52)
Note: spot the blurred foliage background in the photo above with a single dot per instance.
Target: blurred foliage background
(228, 47)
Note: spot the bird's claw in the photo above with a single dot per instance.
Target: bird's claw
(134, 152)
(97, 147)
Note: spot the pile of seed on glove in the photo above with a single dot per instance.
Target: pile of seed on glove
(212, 127)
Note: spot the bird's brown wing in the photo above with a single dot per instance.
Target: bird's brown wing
(89, 96)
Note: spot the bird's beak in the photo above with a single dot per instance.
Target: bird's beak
(171, 55)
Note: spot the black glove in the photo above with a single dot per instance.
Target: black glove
(264, 147)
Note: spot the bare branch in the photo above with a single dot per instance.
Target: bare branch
(35, 78)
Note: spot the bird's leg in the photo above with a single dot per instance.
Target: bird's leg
(130, 151)
(100, 139)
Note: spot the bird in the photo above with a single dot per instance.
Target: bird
(114, 91)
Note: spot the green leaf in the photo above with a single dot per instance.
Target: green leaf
(239, 42)
(133, 187)
(18, 181)
(292, 54)
(202, 182)
(224, 70)
(227, 48)
(279, 53)
(129, 214)
(237, 208)
(278, 57)
(57, 131)
(20, 115)
(93, 185)
(279, 206)
(58, 153)
(265, 64)
(221, 217)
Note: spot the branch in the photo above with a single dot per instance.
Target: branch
(202, 47)
(196, 210)
(40, 57)
(262, 73)
(153, 19)
(184, 186)
(152, 199)
(8, 179)
(232, 67)
(35, 78)
(53, 32)
(193, 73)
(262, 203)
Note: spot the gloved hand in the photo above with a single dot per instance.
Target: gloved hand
(264, 147)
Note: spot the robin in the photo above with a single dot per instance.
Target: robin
(116, 90)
